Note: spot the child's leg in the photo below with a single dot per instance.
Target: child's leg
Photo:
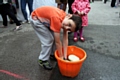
(46, 38)
(81, 34)
(81, 31)
(75, 36)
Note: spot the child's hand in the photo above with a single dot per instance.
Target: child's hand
(78, 12)
(61, 57)
(82, 13)
(34, 18)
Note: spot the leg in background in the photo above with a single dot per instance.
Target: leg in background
(64, 6)
(30, 5)
(69, 5)
(75, 36)
(4, 17)
(23, 9)
(81, 34)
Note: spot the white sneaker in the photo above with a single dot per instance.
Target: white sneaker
(26, 21)
(17, 28)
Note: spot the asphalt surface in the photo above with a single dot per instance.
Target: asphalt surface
(19, 50)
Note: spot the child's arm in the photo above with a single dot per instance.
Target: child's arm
(58, 44)
(65, 43)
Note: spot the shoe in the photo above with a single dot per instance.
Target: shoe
(75, 39)
(82, 39)
(3, 26)
(45, 64)
(52, 57)
(26, 21)
(17, 28)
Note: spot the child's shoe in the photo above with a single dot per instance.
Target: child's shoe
(45, 64)
(82, 39)
(75, 39)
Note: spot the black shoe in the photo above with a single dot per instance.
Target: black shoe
(11, 22)
(45, 64)
(52, 57)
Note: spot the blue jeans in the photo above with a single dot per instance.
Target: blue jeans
(23, 7)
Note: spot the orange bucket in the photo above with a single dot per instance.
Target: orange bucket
(69, 68)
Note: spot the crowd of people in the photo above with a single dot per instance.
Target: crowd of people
(9, 8)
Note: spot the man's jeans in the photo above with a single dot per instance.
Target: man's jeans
(23, 7)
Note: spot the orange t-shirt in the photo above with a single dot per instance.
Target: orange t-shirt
(51, 16)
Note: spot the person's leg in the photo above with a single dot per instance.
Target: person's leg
(52, 56)
(4, 17)
(105, 1)
(11, 14)
(113, 3)
(13, 17)
(23, 9)
(64, 6)
(81, 34)
(46, 38)
(30, 5)
(64, 2)
(69, 5)
(117, 3)
(75, 36)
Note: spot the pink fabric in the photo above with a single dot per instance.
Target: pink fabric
(82, 5)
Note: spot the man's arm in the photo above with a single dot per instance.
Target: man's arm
(58, 44)
(65, 43)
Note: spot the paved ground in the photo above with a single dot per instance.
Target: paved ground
(19, 50)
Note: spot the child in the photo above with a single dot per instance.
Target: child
(47, 22)
(81, 7)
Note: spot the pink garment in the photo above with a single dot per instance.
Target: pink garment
(82, 5)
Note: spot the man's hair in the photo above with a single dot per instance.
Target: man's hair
(78, 21)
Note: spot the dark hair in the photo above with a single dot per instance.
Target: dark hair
(78, 21)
